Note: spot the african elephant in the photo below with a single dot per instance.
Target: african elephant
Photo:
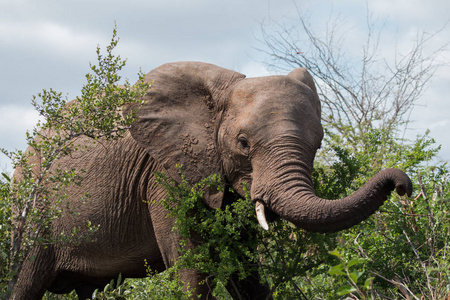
(262, 131)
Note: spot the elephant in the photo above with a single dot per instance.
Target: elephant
(263, 132)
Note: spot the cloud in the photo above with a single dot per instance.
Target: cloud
(50, 43)
(413, 11)
(47, 37)
(254, 69)
(15, 121)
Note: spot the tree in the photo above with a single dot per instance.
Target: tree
(362, 94)
(367, 101)
(37, 192)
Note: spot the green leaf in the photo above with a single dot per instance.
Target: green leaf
(354, 261)
(336, 253)
(368, 283)
(7, 178)
(345, 289)
(337, 270)
(108, 288)
(119, 279)
(94, 294)
(355, 275)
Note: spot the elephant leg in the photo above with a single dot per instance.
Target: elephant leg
(248, 288)
(197, 284)
(36, 275)
(168, 243)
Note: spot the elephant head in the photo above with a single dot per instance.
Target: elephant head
(262, 131)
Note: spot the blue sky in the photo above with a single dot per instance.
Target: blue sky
(49, 44)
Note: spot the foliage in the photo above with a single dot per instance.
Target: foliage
(230, 245)
(400, 252)
(408, 248)
(38, 191)
(113, 290)
(5, 229)
(404, 246)
(291, 260)
(156, 286)
(220, 247)
(336, 179)
(351, 275)
(367, 101)
(161, 286)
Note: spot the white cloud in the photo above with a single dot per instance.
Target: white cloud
(412, 10)
(49, 43)
(14, 123)
(254, 69)
(48, 37)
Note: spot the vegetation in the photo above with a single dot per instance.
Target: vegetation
(366, 104)
(96, 113)
(399, 253)
(5, 229)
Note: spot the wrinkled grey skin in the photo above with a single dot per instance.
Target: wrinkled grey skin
(262, 131)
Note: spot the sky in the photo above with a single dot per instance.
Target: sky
(50, 43)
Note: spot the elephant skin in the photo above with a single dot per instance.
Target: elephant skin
(262, 131)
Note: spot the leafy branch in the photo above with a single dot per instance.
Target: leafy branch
(38, 186)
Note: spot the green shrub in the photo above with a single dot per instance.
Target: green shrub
(5, 231)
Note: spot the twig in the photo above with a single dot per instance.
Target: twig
(420, 261)
(404, 290)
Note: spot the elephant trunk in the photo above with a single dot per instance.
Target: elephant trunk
(291, 196)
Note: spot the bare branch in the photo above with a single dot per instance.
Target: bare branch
(358, 93)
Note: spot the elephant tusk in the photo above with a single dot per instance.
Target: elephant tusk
(261, 215)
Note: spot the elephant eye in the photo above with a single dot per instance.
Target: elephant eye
(243, 143)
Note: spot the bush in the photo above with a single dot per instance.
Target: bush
(5, 231)
(404, 245)
(37, 193)
(230, 242)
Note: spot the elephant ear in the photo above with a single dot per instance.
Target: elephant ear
(303, 76)
(177, 123)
